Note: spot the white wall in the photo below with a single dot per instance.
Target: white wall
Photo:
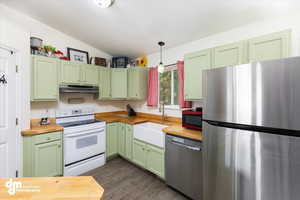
(15, 32)
(172, 55)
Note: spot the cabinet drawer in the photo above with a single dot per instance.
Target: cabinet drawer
(47, 137)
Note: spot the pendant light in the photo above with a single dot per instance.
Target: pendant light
(161, 67)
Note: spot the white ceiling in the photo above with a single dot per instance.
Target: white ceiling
(133, 27)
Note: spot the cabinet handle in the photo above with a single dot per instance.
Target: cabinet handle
(59, 146)
(48, 138)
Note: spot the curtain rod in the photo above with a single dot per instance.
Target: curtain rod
(170, 65)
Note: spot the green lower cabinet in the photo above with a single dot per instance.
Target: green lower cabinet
(139, 153)
(121, 140)
(43, 155)
(48, 159)
(156, 160)
(149, 157)
(112, 139)
(128, 141)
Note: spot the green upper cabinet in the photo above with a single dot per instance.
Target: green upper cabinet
(112, 139)
(44, 79)
(70, 73)
(195, 63)
(137, 83)
(75, 73)
(268, 47)
(104, 83)
(43, 155)
(121, 139)
(128, 141)
(89, 75)
(229, 55)
(119, 83)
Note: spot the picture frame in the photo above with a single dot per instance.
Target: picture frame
(78, 55)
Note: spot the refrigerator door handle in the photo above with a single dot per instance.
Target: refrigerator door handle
(186, 146)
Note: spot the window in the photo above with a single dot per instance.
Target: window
(168, 87)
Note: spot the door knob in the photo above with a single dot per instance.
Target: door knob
(3, 79)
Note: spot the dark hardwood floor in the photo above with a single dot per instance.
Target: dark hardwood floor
(123, 180)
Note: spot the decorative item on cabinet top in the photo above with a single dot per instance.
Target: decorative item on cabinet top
(78, 55)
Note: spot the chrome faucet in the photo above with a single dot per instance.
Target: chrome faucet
(162, 110)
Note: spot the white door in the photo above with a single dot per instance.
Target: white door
(8, 155)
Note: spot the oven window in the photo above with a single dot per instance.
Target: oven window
(193, 120)
(86, 141)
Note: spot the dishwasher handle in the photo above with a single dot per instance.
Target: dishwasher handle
(186, 146)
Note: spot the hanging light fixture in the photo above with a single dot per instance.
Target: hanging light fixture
(104, 3)
(161, 67)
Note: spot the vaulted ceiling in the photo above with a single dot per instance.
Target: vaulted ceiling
(133, 27)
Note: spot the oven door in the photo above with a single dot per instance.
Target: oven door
(83, 144)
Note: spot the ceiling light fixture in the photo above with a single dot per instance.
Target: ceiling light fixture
(104, 3)
(161, 67)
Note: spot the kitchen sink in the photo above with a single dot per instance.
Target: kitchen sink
(151, 133)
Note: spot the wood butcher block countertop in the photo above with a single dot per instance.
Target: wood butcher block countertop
(36, 128)
(178, 130)
(173, 123)
(53, 188)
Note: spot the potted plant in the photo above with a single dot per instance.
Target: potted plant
(49, 50)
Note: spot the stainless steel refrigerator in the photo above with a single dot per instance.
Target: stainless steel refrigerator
(251, 131)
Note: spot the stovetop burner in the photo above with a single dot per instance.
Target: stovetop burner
(79, 123)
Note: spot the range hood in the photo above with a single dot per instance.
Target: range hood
(78, 89)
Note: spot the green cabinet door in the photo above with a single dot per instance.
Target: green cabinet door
(48, 159)
(268, 47)
(137, 83)
(112, 139)
(44, 80)
(156, 160)
(229, 55)
(70, 73)
(121, 139)
(89, 75)
(128, 141)
(139, 153)
(104, 83)
(119, 83)
(195, 63)
(42, 155)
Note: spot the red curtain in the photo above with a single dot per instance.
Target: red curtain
(152, 99)
(180, 70)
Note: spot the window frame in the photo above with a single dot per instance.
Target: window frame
(171, 68)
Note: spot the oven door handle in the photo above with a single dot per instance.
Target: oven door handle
(85, 133)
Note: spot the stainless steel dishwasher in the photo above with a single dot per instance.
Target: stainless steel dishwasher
(184, 165)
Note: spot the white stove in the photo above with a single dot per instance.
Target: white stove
(84, 140)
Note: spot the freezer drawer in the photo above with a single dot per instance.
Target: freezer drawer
(184, 166)
(249, 165)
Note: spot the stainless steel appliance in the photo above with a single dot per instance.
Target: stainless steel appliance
(184, 165)
(84, 141)
(78, 89)
(251, 131)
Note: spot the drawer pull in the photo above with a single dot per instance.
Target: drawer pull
(49, 138)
